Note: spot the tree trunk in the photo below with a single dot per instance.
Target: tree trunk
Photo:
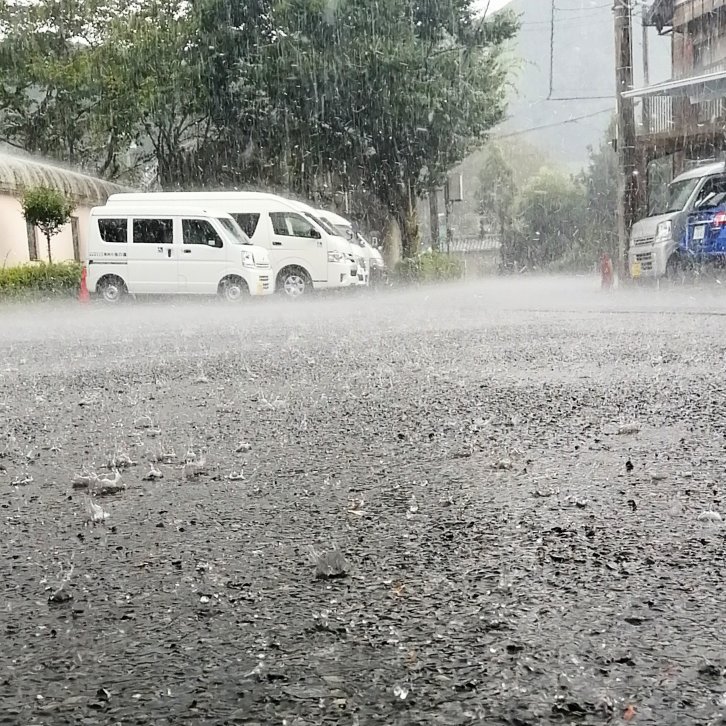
(50, 257)
(403, 207)
(391, 242)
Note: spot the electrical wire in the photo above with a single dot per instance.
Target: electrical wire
(573, 120)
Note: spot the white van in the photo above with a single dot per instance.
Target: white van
(155, 249)
(374, 263)
(303, 255)
(357, 261)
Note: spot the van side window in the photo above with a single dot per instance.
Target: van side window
(248, 222)
(200, 232)
(113, 231)
(289, 224)
(153, 231)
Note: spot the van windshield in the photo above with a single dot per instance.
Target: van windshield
(345, 230)
(678, 195)
(234, 231)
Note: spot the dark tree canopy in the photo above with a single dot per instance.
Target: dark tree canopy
(379, 96)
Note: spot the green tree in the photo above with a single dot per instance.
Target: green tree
(497, 197)
(550, 217)
(600, 180)
(48, 210)
(382, 98)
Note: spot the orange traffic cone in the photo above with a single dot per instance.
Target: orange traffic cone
(83, 294)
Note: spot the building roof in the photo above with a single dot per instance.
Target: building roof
(18, 173)
(702, 88)
(660, 14)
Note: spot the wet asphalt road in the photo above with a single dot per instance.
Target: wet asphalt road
(461, 447)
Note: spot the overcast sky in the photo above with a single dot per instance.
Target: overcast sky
(493, 4)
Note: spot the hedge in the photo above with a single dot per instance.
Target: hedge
(40, 279)
(429, 267)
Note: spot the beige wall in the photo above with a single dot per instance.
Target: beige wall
(14, 248)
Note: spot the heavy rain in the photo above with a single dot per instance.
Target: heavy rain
(360, 362)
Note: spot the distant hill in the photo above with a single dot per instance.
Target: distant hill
(583, 66)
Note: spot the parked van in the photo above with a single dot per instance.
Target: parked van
(303, 255)
(357, 262)
(156, 249)
(654, 240)
(374, 263)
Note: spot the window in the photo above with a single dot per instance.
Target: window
(234, 231)
(248, 222)
(292, 225)
(76, 239)
(327, 227)
(32, 242)
(113, 231)
(153, 232)
(712, 193)
(200, 232)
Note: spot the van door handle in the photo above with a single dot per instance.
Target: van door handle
(276, 243)
(168, 252)
(187, 252)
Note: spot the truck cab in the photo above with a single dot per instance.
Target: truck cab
(654, 240)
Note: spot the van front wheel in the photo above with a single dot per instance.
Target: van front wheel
(233, 289)
(111, 289)
(293, 282)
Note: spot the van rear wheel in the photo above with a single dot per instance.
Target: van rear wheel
(293, 282)
(233, 289)
(111, 289)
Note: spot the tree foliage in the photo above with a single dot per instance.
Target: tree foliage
(48, 210)
(545, 217)
(311, 95)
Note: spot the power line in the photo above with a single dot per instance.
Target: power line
(610, 97)
(589, 7)
(573, 120)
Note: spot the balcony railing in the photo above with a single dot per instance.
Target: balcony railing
(655, 115)
(667, 116)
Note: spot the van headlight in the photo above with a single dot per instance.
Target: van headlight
(248, 259)
(664, 231)
(335, 256)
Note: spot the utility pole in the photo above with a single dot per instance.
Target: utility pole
(627, 186)
(646, 80)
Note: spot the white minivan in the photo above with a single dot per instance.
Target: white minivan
(357, 261)
(156, 249)
(303, 255)
(375, 267)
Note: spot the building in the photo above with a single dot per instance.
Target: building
(21, 243)
(683, 120)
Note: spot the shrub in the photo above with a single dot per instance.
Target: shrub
(429, 267)
(48, 210)
(40, 280)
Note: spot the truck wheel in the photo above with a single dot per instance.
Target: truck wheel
(233, 289)
(293, 282)
(111, 289)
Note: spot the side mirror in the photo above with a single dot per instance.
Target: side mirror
(314, 233)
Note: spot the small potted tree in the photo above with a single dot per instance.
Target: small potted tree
(48, 210)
